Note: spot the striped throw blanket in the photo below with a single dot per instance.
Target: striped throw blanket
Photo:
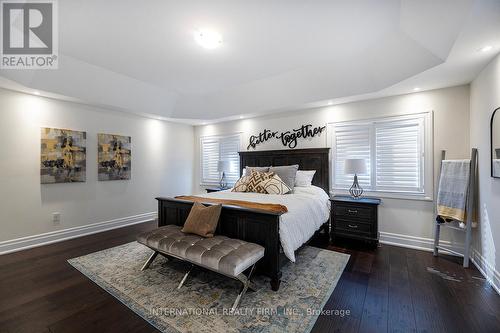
(453, 190)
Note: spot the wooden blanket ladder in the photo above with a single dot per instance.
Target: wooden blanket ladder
(470, 206)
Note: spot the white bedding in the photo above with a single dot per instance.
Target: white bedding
(308, 208)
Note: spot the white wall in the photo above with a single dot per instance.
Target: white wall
(485, 97)
(162, 159)
(406, 222)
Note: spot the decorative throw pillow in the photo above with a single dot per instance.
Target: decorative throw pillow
(241, 184)
(275, 186)
(202, 220)
(287, 173)
(256, 178)
(304, 178)
(249, 170)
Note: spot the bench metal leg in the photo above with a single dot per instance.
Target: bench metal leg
(246, 283)
(185, 277)
(149, 261)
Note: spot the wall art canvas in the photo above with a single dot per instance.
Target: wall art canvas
(63, 156)
(114, 157)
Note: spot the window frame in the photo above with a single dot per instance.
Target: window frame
(427, 163)
(207, 182)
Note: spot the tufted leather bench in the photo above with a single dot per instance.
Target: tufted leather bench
(227, 256)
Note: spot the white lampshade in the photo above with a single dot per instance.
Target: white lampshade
(223, 166)
(355, 166)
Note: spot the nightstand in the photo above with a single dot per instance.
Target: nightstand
(215, 189)
(355, 218)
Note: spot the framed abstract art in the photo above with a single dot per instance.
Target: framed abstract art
(114, 157)
(63, 156)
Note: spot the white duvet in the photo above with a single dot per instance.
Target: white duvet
(308, 208)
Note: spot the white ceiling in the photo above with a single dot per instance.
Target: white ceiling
(141, 57)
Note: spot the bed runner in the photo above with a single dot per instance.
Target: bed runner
(267, 207)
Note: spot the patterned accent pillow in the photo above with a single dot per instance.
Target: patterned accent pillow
(256, 178)
(241, 184)
(275, 186)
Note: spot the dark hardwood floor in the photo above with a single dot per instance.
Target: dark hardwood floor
(388, 289)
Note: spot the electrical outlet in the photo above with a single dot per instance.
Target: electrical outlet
(56, 218)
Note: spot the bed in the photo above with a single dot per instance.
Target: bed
(281, 234)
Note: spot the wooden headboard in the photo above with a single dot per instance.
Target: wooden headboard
(307, 159)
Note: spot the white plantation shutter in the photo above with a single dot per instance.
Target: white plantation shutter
(215, 149)
(394, 151)
(351, 141)
(399, 156)
(209, 159)
(229, 148)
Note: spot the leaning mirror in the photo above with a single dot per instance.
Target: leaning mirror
(495, 144)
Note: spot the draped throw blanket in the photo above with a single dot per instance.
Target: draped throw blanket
(267, 207)
(453, 190)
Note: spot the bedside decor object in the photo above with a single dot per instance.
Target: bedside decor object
(62, 156)
(114, 160)
(222, 168)
(355, 218)
(355, 166)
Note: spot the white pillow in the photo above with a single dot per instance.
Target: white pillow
(304, 178)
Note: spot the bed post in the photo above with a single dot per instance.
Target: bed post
(276, 246)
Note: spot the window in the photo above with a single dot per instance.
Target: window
(215, 149)
(397, 151)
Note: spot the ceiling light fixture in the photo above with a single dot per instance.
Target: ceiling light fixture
(486, 48)
(330, 103)
(241, 117)
(36, 93)
(416, 89)
(208, 39)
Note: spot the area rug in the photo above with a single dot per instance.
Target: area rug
(204, 303)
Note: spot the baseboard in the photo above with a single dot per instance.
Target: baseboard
(486, 269)
(417, 243)
(24, 243)
(427, 244)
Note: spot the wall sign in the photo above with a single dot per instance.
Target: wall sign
(289, 138)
